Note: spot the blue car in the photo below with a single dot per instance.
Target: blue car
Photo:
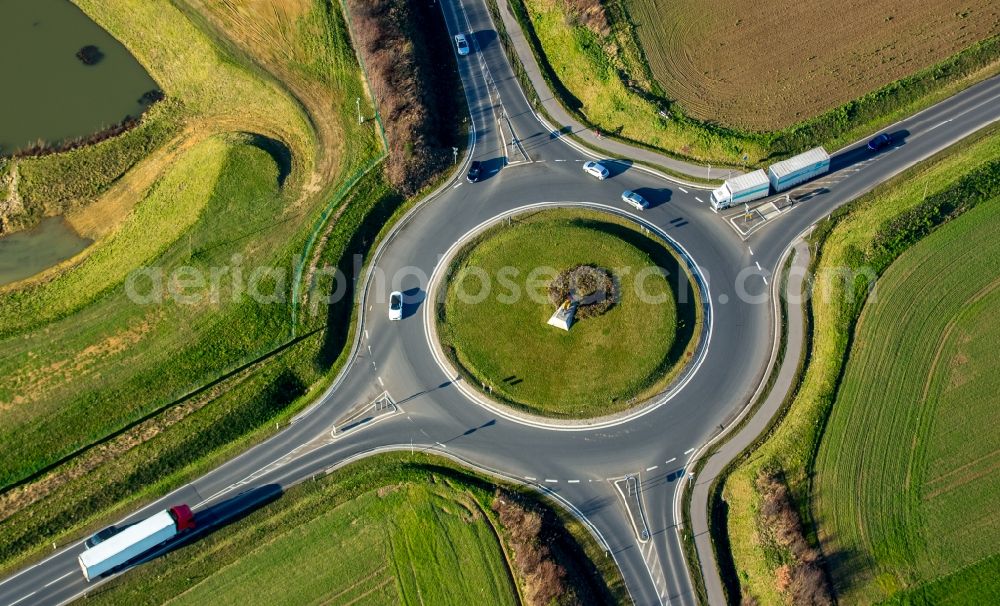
(880, 142)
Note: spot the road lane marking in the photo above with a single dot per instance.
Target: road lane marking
(455, 186)
(551, 481)
(560, 160)
(699, 199)
(652, 468)
(689, 451)
(682, 189)
(530, 478)
(19, 600)
(671, 460)
(573, 481)
(751, 250)
(380, 382)
(60, 578)
(440, 444)
(759, 268)
(765, 279)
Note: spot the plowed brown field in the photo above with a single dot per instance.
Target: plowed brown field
(766, 64)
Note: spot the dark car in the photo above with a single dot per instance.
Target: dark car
(880, 142)
(475, 170)
(101, 536)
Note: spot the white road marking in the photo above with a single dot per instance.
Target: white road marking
(671, 460)
(19, 600)
(689, 451)
(560, 160)
(380, 382)
(59, 579)
(765, 279)
(440, 444)
(551, 481)
(456, 186)
(652, 468)
(759, 268)
(573, 481)
(699, 199)
(682, 189)
(751, 250)
(530, 478)
(366, 334)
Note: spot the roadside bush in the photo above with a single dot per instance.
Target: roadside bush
(544, 579)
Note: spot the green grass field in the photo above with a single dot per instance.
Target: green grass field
(603, 364)
(392, 529)
(905, 488)
(791, 445)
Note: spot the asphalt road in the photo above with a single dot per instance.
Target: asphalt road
(577, 465)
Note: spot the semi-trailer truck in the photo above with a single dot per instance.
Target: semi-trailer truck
(135, 540)
(743, 188)
(798, 169)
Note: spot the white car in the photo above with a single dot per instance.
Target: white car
(396, 305)
(635, 200)
(462, 44)
(596, 169)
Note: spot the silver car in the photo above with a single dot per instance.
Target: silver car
(596, 169)
(461, 44)
(635, 200)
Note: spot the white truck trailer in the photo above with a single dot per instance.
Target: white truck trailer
(743, 188)
(798, 169)
(134, 541)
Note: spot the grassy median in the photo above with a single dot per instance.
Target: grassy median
(603, 364)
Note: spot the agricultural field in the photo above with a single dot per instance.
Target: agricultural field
(906, 487)
(763, 66)
(759, 556)
(401, 529)
(595, 368)
(671, 75)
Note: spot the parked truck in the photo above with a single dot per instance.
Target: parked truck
(743, 188)
(135, 540)
(798, 169)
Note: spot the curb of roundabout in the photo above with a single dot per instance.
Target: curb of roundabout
(509, 413)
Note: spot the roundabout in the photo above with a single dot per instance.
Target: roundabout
(636, 318)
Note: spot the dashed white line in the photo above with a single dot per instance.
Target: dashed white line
(380, 382)
(671, 460)
(699, 199)
(689, 451)
(560, 160)
(759, 268)
(530, 479)
(456, 186)
(19, 600)
(764, 278)
(366, 334)
(751, 250)
(551, 481)
(440, 444)
(573, 481)
(682, 189)
(652, 468)
(59, 579)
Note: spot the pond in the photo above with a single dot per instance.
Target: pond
(25, 253)
(49, 93)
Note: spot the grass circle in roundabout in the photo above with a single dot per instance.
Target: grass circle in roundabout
(492, 319)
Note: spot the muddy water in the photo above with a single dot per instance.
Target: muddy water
(46, 92)
(25, 253)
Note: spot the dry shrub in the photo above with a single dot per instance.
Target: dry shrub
(544, 579)
(802, 581)
(592, 288)
(591, 14)
(391, 43)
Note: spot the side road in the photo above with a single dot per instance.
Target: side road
(610, 147)
(737, 443)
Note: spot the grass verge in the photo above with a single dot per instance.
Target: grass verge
(502, 339)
